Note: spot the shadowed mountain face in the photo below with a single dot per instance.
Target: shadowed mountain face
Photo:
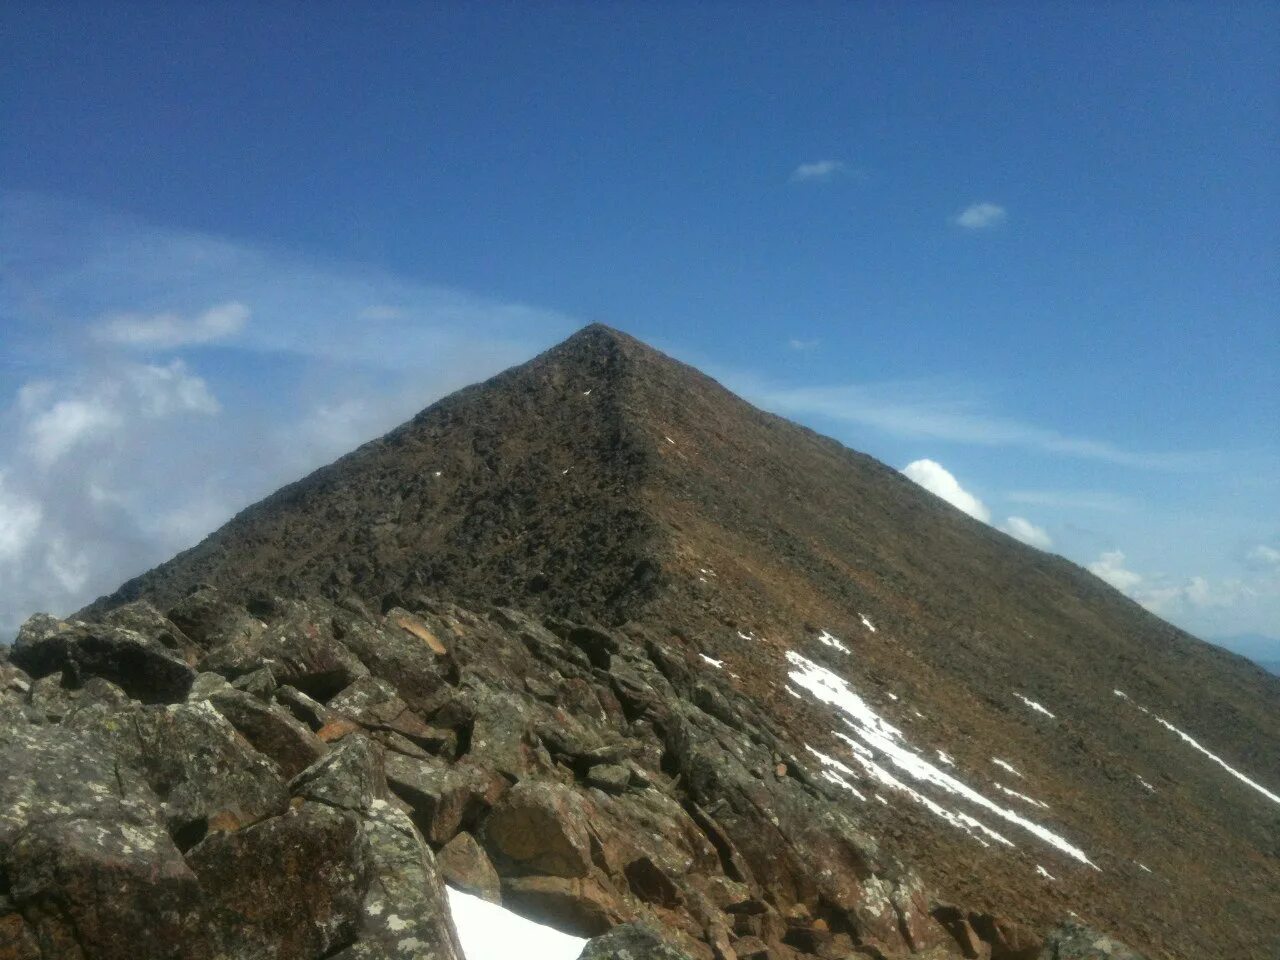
(1039, 743)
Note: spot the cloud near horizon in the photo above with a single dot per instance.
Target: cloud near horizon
(939, 481)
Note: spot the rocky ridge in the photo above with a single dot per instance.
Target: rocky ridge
(296, 778)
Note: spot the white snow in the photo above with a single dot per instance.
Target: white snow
(1220, 762)
(830, 640)
(836, 772)
(564, 471)
(490, 932)
(438, 473)
(867, 623)
(669, 440)
(1045, 873)
(1004, 765)
(1192, 741)
(718, 664)
(745, 636)
(891, 696)
(792, 692)
(1121, 694)
(587, 393)
(1145, 784)
(1143, 866)
(946, 759)
(879, 736)
(1022, 796)
(1035, 706)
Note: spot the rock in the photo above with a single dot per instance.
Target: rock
(1009, 939)
(288, 887)
(261, 683)
(540, 828)
(141, 617)
(207, 777)
(17, 942)
(464, 865)
(350, 776)
(144, 668)
(271, 730)
(106, 889)
(581, 906)
(443, 798)
(405, 912)
(396, 650)
(84, 854)
(609, 777)
(1074, 941)
(211, 620)
(307, 709)
(632, 941)
(301, 650)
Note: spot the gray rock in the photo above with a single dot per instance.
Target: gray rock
(271, 730)
(1074, 941)
(144, 668)
(632, 941)
(350, 777)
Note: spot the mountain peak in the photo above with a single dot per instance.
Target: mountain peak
(605, 483)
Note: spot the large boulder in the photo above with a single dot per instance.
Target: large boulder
(144, 668)
(540, 828)
(271, 729)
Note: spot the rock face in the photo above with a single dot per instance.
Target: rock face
(600, 642)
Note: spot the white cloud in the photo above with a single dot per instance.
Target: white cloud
(799, 345)
(1263, 556)
(819, 170)
(19, 521)
(938, 480)
(66, 424)
(57, 425)
(165, 391)
(1110, 567)
(168, 331)
(980, 216)
(1022, 529)
(1073, 499)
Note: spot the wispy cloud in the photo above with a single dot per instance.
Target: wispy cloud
(1111, 568)
(980, 216)
(168, 331)
(819, 170)
(801, 345)
(1099, 500)
(918, 409)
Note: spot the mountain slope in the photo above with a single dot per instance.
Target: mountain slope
(605, 482)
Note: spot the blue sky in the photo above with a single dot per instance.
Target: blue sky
(1030, 250)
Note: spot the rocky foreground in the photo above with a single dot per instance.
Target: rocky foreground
(300, 778)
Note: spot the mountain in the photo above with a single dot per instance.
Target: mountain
(787, 702)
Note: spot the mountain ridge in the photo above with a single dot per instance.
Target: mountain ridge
(609, 484)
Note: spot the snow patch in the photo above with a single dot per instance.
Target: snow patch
(1004, 765)
(878, 736)
(490, 932)
(829, 640)
(946, 759)
(1035, 706)
(1045, 873)
(1219, 761)
(867, 623)
(1022, 796)
(718, 664)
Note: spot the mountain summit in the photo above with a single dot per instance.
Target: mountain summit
(752, 688)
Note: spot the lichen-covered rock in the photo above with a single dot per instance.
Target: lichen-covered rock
(211, 620)
(443, 797)
(271, 730)
(141, 617)
(84, 852)
(349, 777)
(144, 668)
(632, 941)
(405, 913)
(464, 865)
(207, 776)
(1074, 941)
